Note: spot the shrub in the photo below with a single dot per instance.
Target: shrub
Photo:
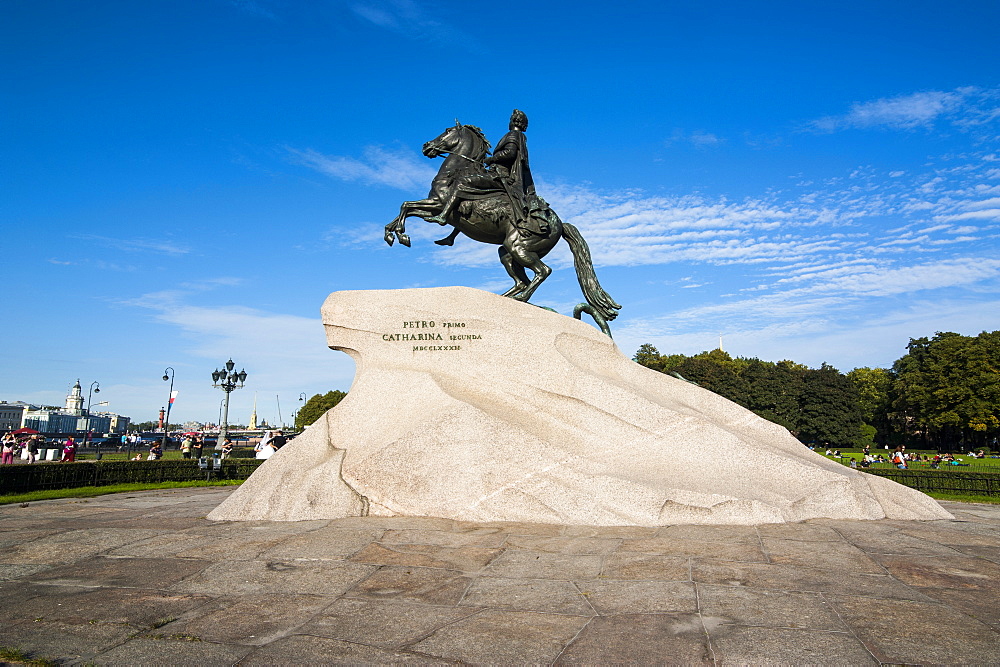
(42, 476)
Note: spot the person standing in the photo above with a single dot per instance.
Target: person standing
(32, 447)
(198, 445)
(278, 441)
(9, 445)
(227, 449)
(69, 451)
(263, 449)
(186, 446)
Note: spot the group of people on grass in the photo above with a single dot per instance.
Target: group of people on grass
(11, 447)
(902, 459)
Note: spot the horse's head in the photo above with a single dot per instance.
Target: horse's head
(465, 140)
(446, 142)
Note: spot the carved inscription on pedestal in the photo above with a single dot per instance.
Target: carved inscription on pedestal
(432, 336)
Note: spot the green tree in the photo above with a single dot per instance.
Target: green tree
(830, 411)
(875, 393)
(648, 356)
(948, 388)
(317, 406)
(715, 372)
(774, 390)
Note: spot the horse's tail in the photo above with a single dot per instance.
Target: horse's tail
(592, 290)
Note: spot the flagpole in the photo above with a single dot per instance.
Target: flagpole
(170, 404)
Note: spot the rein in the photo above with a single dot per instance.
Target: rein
(464, 157)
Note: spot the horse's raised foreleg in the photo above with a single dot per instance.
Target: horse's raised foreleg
(515, 271)
(396, 230)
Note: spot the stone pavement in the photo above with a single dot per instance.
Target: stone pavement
(144, 578)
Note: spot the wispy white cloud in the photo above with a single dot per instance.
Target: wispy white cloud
(697, 138)
(967, 108)
(398, 169)
(851, 339)
(281, 351)
(852, 221)
(136, 245)
(415, 21)
(254, 7)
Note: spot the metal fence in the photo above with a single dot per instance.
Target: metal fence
(953, 481)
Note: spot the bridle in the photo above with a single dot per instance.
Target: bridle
(439, 148)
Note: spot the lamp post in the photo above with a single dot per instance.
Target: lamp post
(226, 380)
(295, 418)
(95, 388)
(170, 402)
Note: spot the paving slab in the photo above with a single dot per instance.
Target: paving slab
(644, 639)
(105, 571)
(560, 597)
(145, 578)
(761, 607)
(383, 624)
(746, 551)
(639, 597)
(170, 651)
(503, 637)
(141, 608)
(465, 559)
(838, 556)
(413, 584)
(904, 631)
(740, 645)
(625, 565)
(306, 650)
(252, 619)
(256, 577)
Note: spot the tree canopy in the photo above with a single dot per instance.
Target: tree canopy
(943, 393)
(316, 406)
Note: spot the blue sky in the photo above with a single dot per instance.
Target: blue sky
(185, 182)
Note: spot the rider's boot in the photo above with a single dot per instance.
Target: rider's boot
(448, 240)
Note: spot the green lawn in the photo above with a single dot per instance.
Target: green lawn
(974, 464)
(91, 491)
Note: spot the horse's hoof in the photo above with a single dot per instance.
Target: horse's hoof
(445, 241)
(405, 240)
(390, 238)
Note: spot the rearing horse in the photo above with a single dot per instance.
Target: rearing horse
(490, 219)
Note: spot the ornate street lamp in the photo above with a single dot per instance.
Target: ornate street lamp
(226, 380)
(170, 403)
(295, 417)
(95, 388)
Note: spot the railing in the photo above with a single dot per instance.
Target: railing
(952, 481)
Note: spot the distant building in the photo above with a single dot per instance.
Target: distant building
(51, 421)
(74, 401)
(72, 418)
(119, 423)
(12, 415)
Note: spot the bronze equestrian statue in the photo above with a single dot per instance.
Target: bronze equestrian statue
(493, 200)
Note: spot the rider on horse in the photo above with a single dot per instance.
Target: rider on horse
(510, 176)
